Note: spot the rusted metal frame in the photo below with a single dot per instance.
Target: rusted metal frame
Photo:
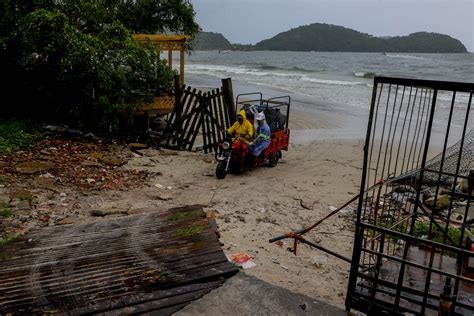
(434, 84)
(416, 239)
(389, 134)
(371, 140)
(418, 192)
(408, 133)
(395, 129)
(427, 281)
(195, 127)
(424, 129)
(377, 269)
(300, 238)
(460, 257)
(403, 129)
(358, 233)
(387, 306)
(419, 266)
(443, 154)
(413, 143)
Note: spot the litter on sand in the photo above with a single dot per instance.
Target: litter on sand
(242, 260)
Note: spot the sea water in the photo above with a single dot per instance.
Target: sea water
(334, 82)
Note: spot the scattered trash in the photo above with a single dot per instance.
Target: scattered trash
(242, 260)
(159, 186)
(262, 210)
(346, 211)
(280, 243)
(332, 208)
(169, 188)
(285, 268)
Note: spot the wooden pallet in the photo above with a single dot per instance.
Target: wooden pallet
(156, 262)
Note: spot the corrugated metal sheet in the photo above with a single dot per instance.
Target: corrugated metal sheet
(135, 264)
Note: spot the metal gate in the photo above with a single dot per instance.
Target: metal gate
(412, 248)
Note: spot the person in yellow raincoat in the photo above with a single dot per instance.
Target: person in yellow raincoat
(242, 129)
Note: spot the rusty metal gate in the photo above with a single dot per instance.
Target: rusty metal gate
(413, 247)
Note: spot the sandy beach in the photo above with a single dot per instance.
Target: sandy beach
(320, 171)
(313, 177)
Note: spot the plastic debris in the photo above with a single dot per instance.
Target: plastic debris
(242, 260)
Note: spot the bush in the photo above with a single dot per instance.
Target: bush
(16, 135)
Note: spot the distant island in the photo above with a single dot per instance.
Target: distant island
(333, 38)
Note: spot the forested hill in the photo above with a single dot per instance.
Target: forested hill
(326, 37)
(211, 41)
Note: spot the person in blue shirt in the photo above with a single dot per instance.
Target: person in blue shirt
(262, 139)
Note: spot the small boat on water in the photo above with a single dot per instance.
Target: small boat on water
(223, 51)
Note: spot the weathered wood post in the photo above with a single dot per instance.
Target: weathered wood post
(178, 109)
(228, 94)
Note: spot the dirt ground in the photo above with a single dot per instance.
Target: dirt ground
(66, 181)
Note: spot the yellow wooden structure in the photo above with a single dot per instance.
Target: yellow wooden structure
(170, 43)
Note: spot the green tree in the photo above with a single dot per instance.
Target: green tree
(75, 61)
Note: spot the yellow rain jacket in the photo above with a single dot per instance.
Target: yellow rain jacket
(244, 130)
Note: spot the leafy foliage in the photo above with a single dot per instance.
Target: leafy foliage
(76, 62)
(15, 135)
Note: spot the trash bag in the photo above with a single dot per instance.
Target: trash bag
(275, 119)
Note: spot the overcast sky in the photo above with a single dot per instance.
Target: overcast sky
(250, 21)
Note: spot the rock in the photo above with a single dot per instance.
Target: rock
(47, 183)
(442, 202)
(31, 167)
(112, 160)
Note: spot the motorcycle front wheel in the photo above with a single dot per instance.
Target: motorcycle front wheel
(221, 171)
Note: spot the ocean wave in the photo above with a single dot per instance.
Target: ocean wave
(366, 75)
(292, 69)
(332, 82)
(404, 56)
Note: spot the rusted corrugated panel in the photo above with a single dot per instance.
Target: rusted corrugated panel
(157, 261)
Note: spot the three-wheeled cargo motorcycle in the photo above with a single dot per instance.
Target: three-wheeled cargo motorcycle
(234, 156)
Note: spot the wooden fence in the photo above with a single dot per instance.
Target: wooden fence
(198, 113)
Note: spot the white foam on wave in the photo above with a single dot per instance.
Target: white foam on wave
(405, 56)
(218, 70)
